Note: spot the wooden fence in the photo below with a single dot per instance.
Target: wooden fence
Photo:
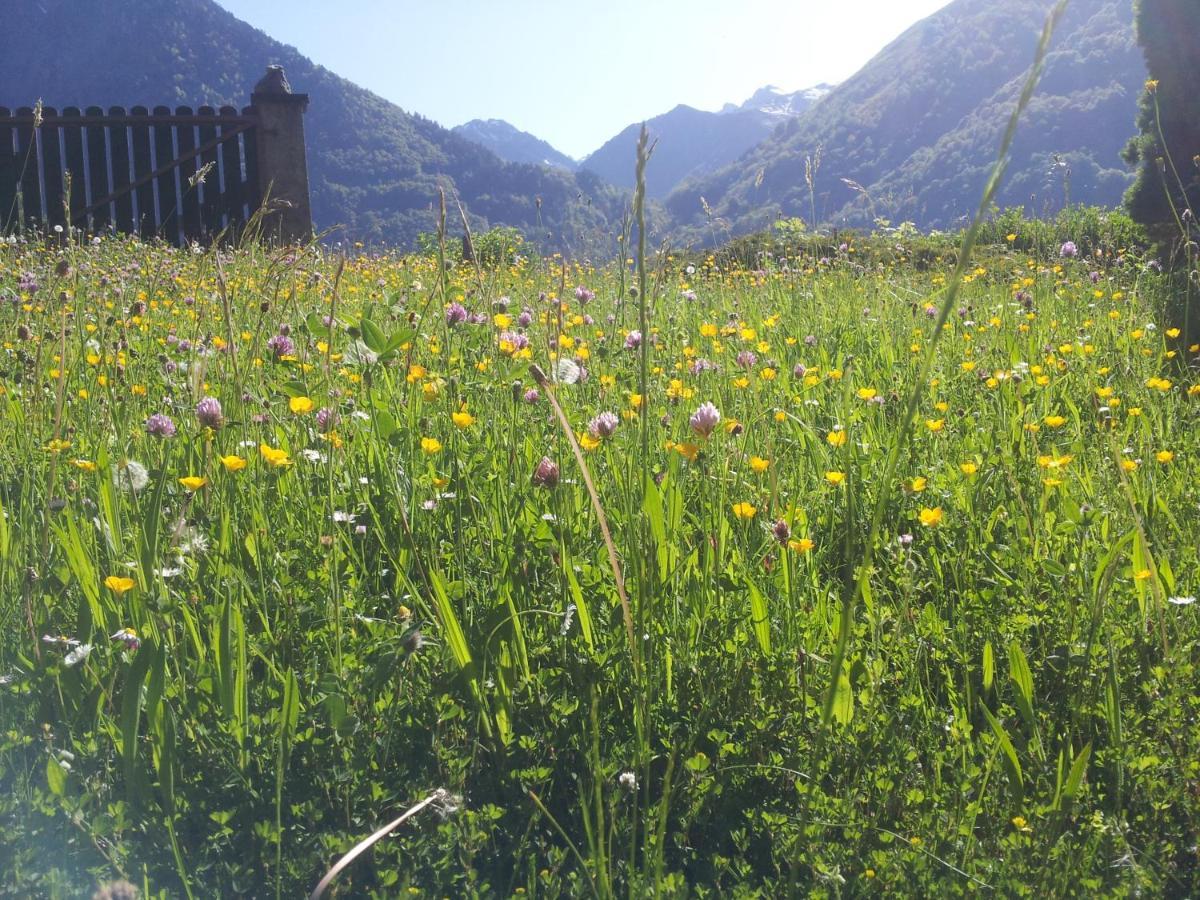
(180, 175)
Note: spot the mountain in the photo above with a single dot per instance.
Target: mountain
(916, 130)
(780, 104)
(693, 143)
(373, 167)
(513, 145)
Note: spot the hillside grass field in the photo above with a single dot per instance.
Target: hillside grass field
(292, 542)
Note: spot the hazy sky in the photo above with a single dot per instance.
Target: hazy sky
(576, 73)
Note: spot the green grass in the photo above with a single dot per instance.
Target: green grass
(1016, 709)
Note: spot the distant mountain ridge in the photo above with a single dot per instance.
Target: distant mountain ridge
(513, 145)
(693, 143)
(781, 104)
(373, 168)
(913, 134)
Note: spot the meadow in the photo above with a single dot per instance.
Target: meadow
(294, 541)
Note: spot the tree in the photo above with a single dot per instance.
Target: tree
(1165, 197)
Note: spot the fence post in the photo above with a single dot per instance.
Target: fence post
(282, 164)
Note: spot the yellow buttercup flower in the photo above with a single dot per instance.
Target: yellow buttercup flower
(836, 438)
(193, 482)
(301, 405)
(759, 465)
(1164, 456)
(274, 456)
(865, 393)
(462, 419)
(744, 510)
(968, 468)
(800, 545)
(119, 584)
(430, 446)
(835, 477)
(931, 517)
(1054, 421)
(232, 462)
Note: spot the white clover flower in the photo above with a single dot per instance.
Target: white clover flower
(567, 371)
(78, 655)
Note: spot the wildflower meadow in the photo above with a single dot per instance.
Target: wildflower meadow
(605, 581)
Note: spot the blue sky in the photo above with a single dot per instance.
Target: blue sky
(577, 73)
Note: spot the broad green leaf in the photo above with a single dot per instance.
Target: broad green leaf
(759, 617)
(843, 699)
(56, 777)
(131, 711)
(581, 607)
(1078, 769)
(1022, 679)
(456, 640)
(372, 336)
(1012, 764)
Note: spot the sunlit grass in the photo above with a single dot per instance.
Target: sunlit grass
(243, 636)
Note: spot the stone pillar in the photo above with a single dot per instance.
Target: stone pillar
(282, 164)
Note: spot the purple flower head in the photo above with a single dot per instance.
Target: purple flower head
(603, 425)
(208, 413)
(702, 365)
(531, 396)
(633, 340)
(477, 318)
(1069, 250)
(689, 295)
(281, 345)
(810, 340)
(905, 540)
(518, 340)
(525, 318)
(546, 473)
(456, 314)
(931, 311)
(705, 419)
(746, 359)
(502, 303)
(1095, 276)
(799, 370)
(326, 419)
(27, 284)
(583, 295)
(160, 426)
(588, 320)
(285, 329)
(782, 531)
